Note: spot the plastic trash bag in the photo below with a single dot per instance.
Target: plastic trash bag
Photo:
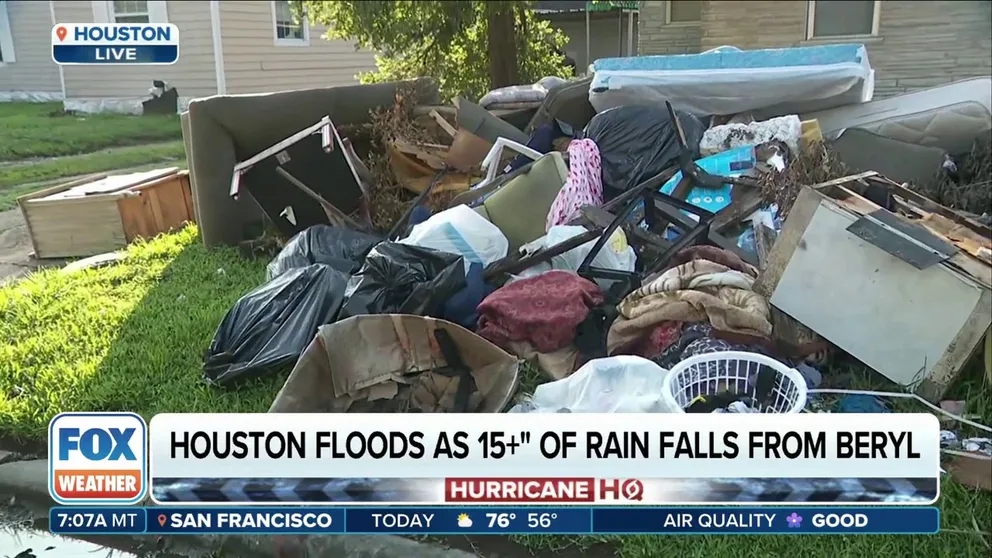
(620, 384)
(268, 328)
(637, 142)
(340, 248)
(402, 279)
(460, 230)
(616, 254)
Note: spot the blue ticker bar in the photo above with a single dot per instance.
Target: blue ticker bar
(452, 520)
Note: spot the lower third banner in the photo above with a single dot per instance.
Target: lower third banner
(547, 491)
(449, 520)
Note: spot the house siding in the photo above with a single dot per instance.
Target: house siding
(254, 64)
(192, 76)
(657, 37)
(33, 70)
(919, 44)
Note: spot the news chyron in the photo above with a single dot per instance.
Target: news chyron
(97, 458)
(91, 44)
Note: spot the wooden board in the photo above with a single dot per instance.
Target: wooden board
(154, 208)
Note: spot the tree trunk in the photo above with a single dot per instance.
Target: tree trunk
(503, 69)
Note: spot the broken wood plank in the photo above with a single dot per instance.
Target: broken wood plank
(962, 261)
(425, 110)
(433, 160)
(849, 199)
(844, 180)
(443, 123)
(932, 206)
(958, 235)
(764, 240)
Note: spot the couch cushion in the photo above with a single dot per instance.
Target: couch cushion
(520, 208)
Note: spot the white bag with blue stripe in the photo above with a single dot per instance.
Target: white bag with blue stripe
(460, 230)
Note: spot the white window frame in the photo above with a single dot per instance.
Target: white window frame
(811, 16)
(103, 11)
(304, 23)
(6, 37)
(112, 12)
(668, 16)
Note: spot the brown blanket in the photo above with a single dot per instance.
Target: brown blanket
(711, 253)
(694, 274)
(725, 308)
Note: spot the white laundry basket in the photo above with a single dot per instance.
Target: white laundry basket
(712, 373)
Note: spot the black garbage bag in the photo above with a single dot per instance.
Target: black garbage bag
(403, 279)
(637, 142)
(268, 328)
(340, 248)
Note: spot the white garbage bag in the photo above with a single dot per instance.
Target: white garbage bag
(460, 230)
(616, 254)
(620, 384)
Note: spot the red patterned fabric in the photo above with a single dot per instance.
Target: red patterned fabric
(653, 344)
(543, 310)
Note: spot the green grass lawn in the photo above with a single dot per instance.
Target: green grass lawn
(31, 130)
(17, 179)
(127, 337)
(130, 338)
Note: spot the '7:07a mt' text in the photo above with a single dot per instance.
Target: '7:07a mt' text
(90, 520)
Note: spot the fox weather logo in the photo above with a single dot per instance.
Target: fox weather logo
(97, 458)
(120, 43)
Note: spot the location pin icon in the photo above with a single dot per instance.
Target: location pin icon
(60, 32)
(161, 520)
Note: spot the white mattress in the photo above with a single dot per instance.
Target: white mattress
(728, 81)
(948, 116)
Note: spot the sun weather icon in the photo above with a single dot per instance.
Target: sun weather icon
(464, 521)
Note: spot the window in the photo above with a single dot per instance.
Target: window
(290, 23)
(832, 18)
(684, 11)
(129, 11)
(6, 38)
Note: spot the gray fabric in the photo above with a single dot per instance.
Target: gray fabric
(223, 130)
(568, 102)
(862, 151)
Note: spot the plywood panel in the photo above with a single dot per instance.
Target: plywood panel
(77, 229)
(136, 217)
(158, 207)
(896, 319)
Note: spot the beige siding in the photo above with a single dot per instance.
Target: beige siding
(657, 37)
(254, 64)
(924, 44)
(192, 76)
(919, 44)
(33, 69)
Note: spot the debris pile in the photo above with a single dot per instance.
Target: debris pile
(815, 164)
(965, 184)
(689, 236)
(408, 150)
